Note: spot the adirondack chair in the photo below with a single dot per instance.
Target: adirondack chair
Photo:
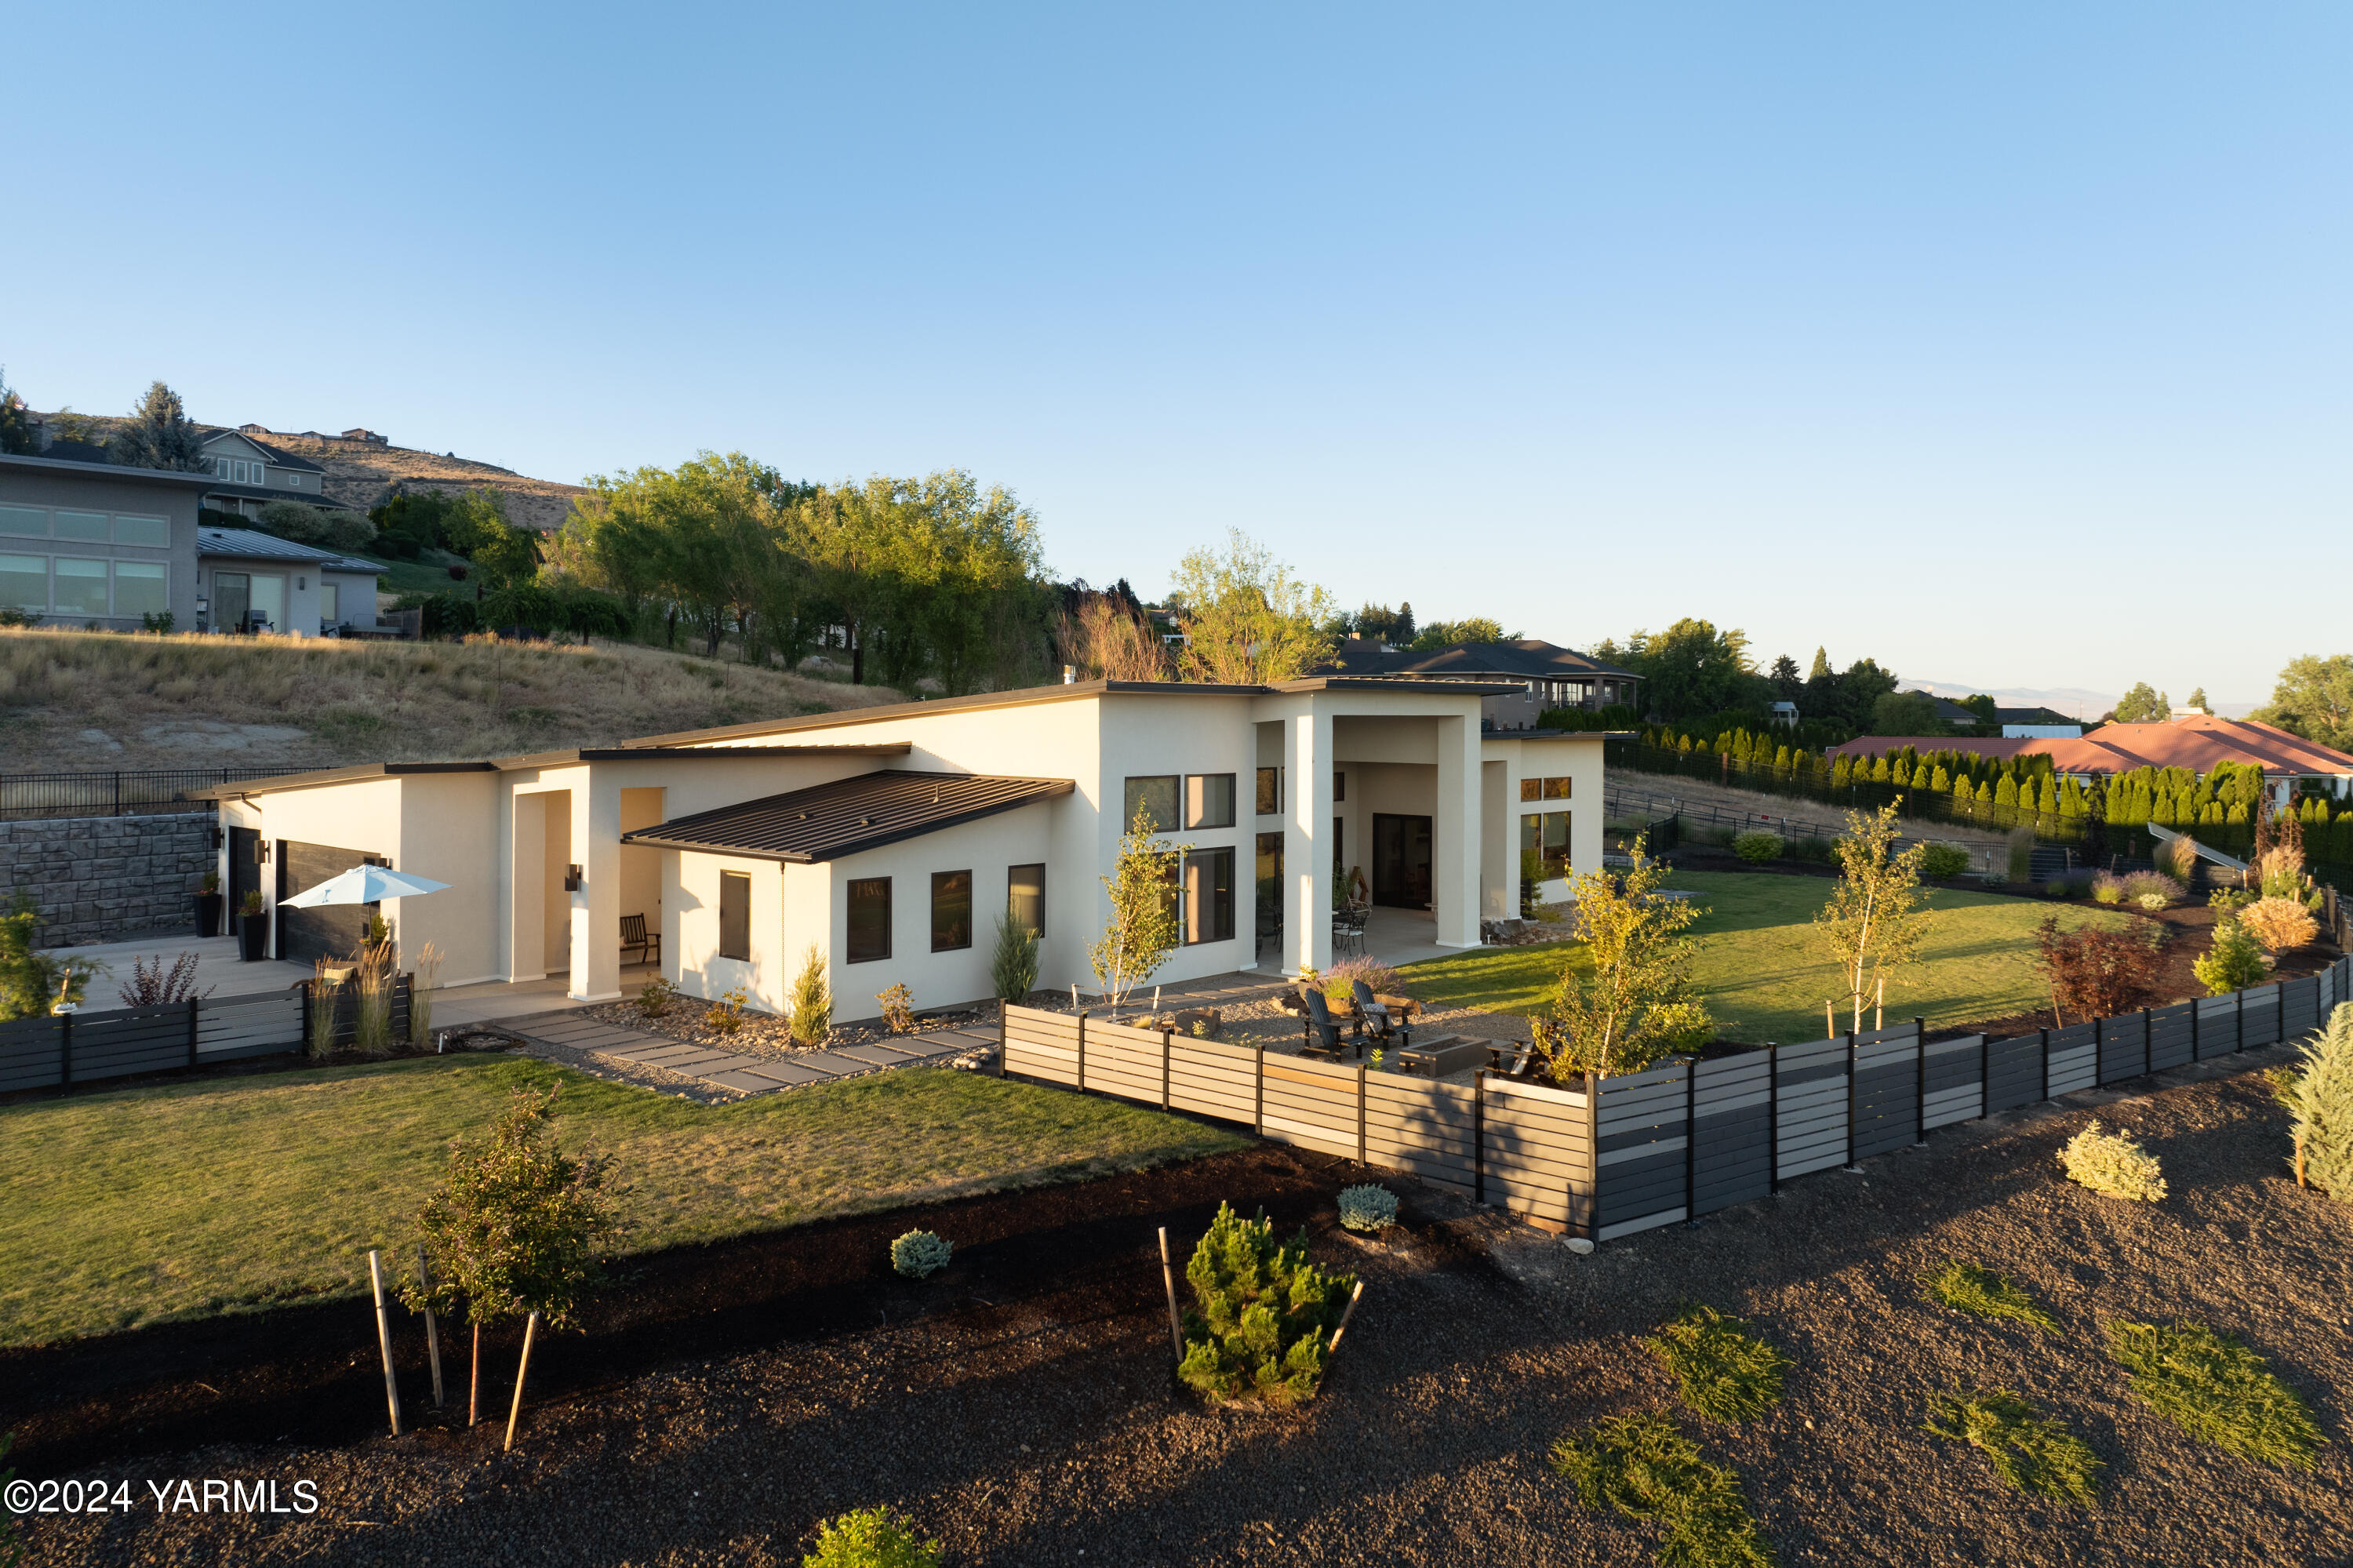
(1322, 1036)
(1375, 1013)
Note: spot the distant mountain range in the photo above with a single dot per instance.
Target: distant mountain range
(2072, 700)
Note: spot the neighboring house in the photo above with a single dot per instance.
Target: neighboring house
(1544, 675)
(261, 583)
(891, 839)
(250, 474)
(90, 544)
(2037, 723)
(2197, 742)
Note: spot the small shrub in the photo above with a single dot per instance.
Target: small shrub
(1944, 862)
(2279, 924)
(1966, 1288)
(372, 1008)
(322, 1005)
(1726, 1371)
(1013, 963)
(898, 1006)
(2177, 858)
(811, 998)
(2217, 1390)
(919, 1254)
(1646, 1469)
(2228, 900)
(155, 985)
(1758, 848)
(1996, 878)
(2114, 1165)
(1263, 1316)
(2140, 886)
(1367, 1207)
(2059, 887)
(2319, 1093)
(252, 903)
(654, 1000)
(2107, 889)
(1339, 980)
(2030, 1450)
(2079, 882)
(2094, 973)
(726, 1015)
(2234, 962)
(872, 1537)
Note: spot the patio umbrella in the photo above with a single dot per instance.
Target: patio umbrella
(362, 885)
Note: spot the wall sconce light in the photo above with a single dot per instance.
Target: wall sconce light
(261, 852)
(301, 583)
(217, 837)
(571, 879)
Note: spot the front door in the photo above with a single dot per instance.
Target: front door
(1401, 861)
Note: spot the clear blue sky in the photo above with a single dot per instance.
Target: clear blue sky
(2006, 345)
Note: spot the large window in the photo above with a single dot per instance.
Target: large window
(1209, 800)
(155, 533)
(1545, 836)
(1154, 794)
(140, 588)
(25, 522)
(87, 527)
(951, 910)
(80, 586)
(734, 915)
(1545, 789)
(1025, 897)
(25, 581)
(1208, 909)
(1269, 792)
(870, 919)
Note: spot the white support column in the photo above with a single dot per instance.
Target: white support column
(1499, 869)
(1455, 836)
(1307, 841)
(527, 881)
(596, 906)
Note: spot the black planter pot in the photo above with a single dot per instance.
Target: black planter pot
(208, 913)
(253, 936)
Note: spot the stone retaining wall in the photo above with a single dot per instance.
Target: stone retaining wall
(102, 879)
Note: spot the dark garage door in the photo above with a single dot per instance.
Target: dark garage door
(307, 934)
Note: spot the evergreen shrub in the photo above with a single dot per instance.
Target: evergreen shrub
(1367, 1207)
(2319, 1093)
(2114, 1165)
(1942, 862)
(2234, 962)
(918, 1255)
(1758, 848)
(1263, 1316)
(872, 1537)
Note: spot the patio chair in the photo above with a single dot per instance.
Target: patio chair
(634, 936)
(1348, 931)
(1322, 1033)
(1373, 1012)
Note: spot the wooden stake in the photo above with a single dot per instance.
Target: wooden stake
(474, 1393)
(1879, 1008)
(432, 1329)
(1354, 1296)
(384, 1341)
(1829, 1021)
(1168, 1279)
(530, 1330)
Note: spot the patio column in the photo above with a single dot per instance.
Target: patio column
(1455, 838)
(596, 904)
(1307, 841)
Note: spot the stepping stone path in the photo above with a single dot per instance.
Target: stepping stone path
(744, 1073)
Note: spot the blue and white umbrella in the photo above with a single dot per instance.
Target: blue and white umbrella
(362, 885)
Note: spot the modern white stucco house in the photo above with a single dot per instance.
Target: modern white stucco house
(890, 839)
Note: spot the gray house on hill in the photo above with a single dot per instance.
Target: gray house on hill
(1547, 675)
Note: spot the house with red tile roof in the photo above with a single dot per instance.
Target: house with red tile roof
(2199, 742)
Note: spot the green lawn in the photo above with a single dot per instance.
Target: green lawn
(428, 573)
(1762, 969)
(177, 1200)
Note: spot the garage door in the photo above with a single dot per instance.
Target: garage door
(304, 934)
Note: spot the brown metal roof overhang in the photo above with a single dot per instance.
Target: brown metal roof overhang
(827, 821)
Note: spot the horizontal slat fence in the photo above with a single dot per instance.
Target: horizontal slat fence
(1682, 1139)
(51, 1051)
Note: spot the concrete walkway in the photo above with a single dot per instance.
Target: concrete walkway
(744, 1073)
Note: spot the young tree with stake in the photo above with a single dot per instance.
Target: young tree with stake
(516, 1230)
(1142, 931)
(1636, 1005)
(1872, 924)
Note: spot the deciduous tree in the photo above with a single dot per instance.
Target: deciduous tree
(1142, 931)
(1633, 1004)
(1247, 621)
(2314, 699)
(2142, 704)
(1871, 926)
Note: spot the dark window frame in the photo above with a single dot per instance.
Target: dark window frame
(1269, 788)
(849, 920)
(1339, 785)
(949, 877)
(1185, 802)
(1038, 926)
(735, 912)
(1175, 783)
(1186, 904)
(1567, 785)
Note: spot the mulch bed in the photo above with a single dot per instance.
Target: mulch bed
(1022, 1407)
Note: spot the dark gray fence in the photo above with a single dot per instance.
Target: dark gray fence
(118, 793)
(1620, 1155)
(55, 1050)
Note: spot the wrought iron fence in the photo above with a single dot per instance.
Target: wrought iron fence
(120, 793)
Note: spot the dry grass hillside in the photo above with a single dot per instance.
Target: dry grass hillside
(360, 473)
(73, 700)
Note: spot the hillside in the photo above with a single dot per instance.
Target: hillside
(360, 473)
(76, 700)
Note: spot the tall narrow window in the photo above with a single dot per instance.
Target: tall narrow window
(870, 919)
(1209, 800)
(1209, 896)
(1025, 897)
(1269, 792)
(1154, 795)
(1339, 850)
(951, 910)
(735, 915)
(1339, 785)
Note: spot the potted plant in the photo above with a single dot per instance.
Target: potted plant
(209, 906)
(252, 928)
